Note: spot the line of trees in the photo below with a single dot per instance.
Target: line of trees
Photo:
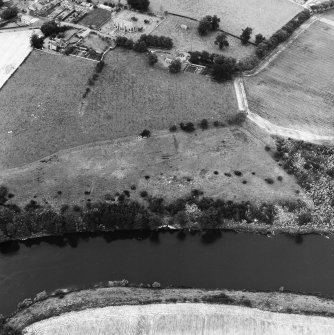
(141, 5)
(207, 24)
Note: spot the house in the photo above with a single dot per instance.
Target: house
(26, 19)
(56, 43)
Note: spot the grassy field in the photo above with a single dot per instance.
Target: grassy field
(264, 16)
(50, 114)
(95, 18)
(190, 40)
(296, 90)
(175, 163)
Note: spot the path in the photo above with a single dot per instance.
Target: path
(263, 65)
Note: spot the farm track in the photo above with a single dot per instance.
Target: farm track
(312, 89)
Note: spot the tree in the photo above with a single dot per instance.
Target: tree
(9, 13)
(204, 27)
(259, 38)
(221, 41)
(152, 59)
(141, 5)
(36, 41)
(215, 23)
(223, 68)
(207, 24)
(140, 46)
(175, 66)
(49, 28)
(1, 3)
(246, 35)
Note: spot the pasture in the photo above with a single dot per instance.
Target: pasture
(96, 18)
(43, 110)
(190, 40)
(296, 90)
(264, 16)
(167, 165)
(14, 48)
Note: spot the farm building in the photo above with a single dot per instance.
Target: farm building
(124, 25)
(56, 44)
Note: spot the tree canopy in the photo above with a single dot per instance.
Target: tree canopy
(221, 41)
(141, 5)
(36, 41)
(246, 35)
(9, 13)
(207, 24)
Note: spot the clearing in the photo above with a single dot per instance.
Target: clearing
(14, 48)
(50, 114)
(167, 165)
(190, 40)
(296, 89)
(264, 16)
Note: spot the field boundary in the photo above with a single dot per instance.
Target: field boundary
(273, 55)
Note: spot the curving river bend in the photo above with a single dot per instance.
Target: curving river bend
(226, 260)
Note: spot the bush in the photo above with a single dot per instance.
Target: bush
(188, 127)
(99, 66)
(152, 59)
(269, 181)
(248, 63)
(223, 68)
(238, 173)
(157, 41)
(207, 24)
(175, 66)
(304, 218)
(238, 119)
(145, 133)
(173, 128)
(259, 38)
(143, 194)
(204, 124)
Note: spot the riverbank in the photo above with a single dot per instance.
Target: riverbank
(60, 302)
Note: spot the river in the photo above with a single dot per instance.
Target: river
(226, 260)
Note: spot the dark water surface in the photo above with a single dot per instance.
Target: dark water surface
(236, 261)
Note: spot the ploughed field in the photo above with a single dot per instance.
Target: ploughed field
(42, 107)
(296, 89)
(264, 16)
(181, 319)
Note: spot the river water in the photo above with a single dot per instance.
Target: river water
(226, 260)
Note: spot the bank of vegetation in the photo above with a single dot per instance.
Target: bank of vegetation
(117, 293)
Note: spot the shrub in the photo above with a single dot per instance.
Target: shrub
(175, 66)
(133, 18)
(262, 49)
(279, 178)
(216, 123)
(304, 218)
(157, 41)
(173, 128)
(221, 41)
(207, 24)
(145, 133)
(248, 63)
(267, 148)
(152, 59)
(99, 66)
(259, 38)
(238, 119)
(204, 124)
(3, 194)
(269, 181)
(188, 127)
(238, 173)
(330, 172)
(143, 194)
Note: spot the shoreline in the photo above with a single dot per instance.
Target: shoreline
(122, 293)
(235, 228)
